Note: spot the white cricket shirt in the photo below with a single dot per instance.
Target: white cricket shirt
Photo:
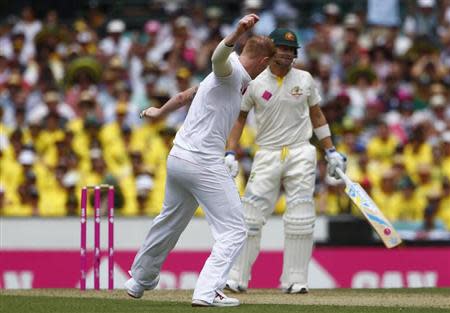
(281, 107)
(212, 114)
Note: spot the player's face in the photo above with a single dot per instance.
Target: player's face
(284, 55)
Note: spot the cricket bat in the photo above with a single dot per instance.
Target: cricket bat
(373, 214)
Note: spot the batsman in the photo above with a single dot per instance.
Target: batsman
(285, 101)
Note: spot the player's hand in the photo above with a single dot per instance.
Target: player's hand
(152, 113)
(231, 163)
(246, 23)
(335, 160)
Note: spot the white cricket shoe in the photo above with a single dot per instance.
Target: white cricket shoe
(221, 300)
(296, 288)
(234, 286)
(136, 290)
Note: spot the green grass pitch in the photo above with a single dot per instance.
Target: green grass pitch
(262, 300)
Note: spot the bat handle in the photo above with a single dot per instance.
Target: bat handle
(343, 176)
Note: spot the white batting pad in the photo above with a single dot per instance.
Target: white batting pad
(298, 226)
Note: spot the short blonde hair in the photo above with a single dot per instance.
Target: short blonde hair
(258, 46)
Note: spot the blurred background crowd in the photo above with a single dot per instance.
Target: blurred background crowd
(72, 85)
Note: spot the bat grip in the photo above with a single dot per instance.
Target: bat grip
(343, 176)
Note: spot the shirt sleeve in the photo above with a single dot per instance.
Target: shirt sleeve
(220, 60)
(247, 100)
(314, 96)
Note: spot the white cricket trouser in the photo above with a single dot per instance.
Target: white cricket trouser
(188, 185)
(294, 169)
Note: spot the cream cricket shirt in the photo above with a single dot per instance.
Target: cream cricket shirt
(281, 107)
(212, 114)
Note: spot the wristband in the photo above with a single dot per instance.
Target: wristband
(230, 152)
(322, 132)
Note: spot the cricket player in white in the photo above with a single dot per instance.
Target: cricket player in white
(196, 172)
(286, 105)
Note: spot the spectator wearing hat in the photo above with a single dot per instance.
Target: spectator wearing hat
(351, 38)
(7, 99)
(21, 53)
(432, 226)
(144, 187)
(183, 51)
(52, 103)
(183, 81)
(332, 14)
(424, 20)
(154, 51)
(440, 112)
(150, 86)
(29, 26)
(426, 182)
(214, 18)
(87, 107)
(87, 43)
(116, 43)
(426, 71)
(113, 137)
(267, 22)
(199, 25)
(317, 38)
(385, 194)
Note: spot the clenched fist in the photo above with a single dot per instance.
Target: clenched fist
(246, 23)
(151, 113)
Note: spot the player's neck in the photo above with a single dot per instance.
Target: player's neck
(279, 71)
(248, 65)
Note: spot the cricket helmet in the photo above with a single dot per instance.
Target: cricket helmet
(284, 37)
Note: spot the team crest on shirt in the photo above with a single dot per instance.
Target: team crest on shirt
(296, 91)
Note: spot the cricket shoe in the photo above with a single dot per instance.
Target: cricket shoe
(296, 288)
(136, 290)
(220, 300)
(233, 286)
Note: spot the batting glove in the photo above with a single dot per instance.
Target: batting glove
(335, 160)
(231, 163)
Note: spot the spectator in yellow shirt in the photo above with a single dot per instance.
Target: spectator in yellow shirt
(425, 181)
(417, 150)
(444, 205)
(383, 145)
(411, 205)
(333, 200)
(445, 165)
(384, 195)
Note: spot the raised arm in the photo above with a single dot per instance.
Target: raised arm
(173, 104)
(220, 63)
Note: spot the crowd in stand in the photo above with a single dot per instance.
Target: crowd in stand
(71, 93)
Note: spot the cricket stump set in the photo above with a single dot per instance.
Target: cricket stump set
(83, 227)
